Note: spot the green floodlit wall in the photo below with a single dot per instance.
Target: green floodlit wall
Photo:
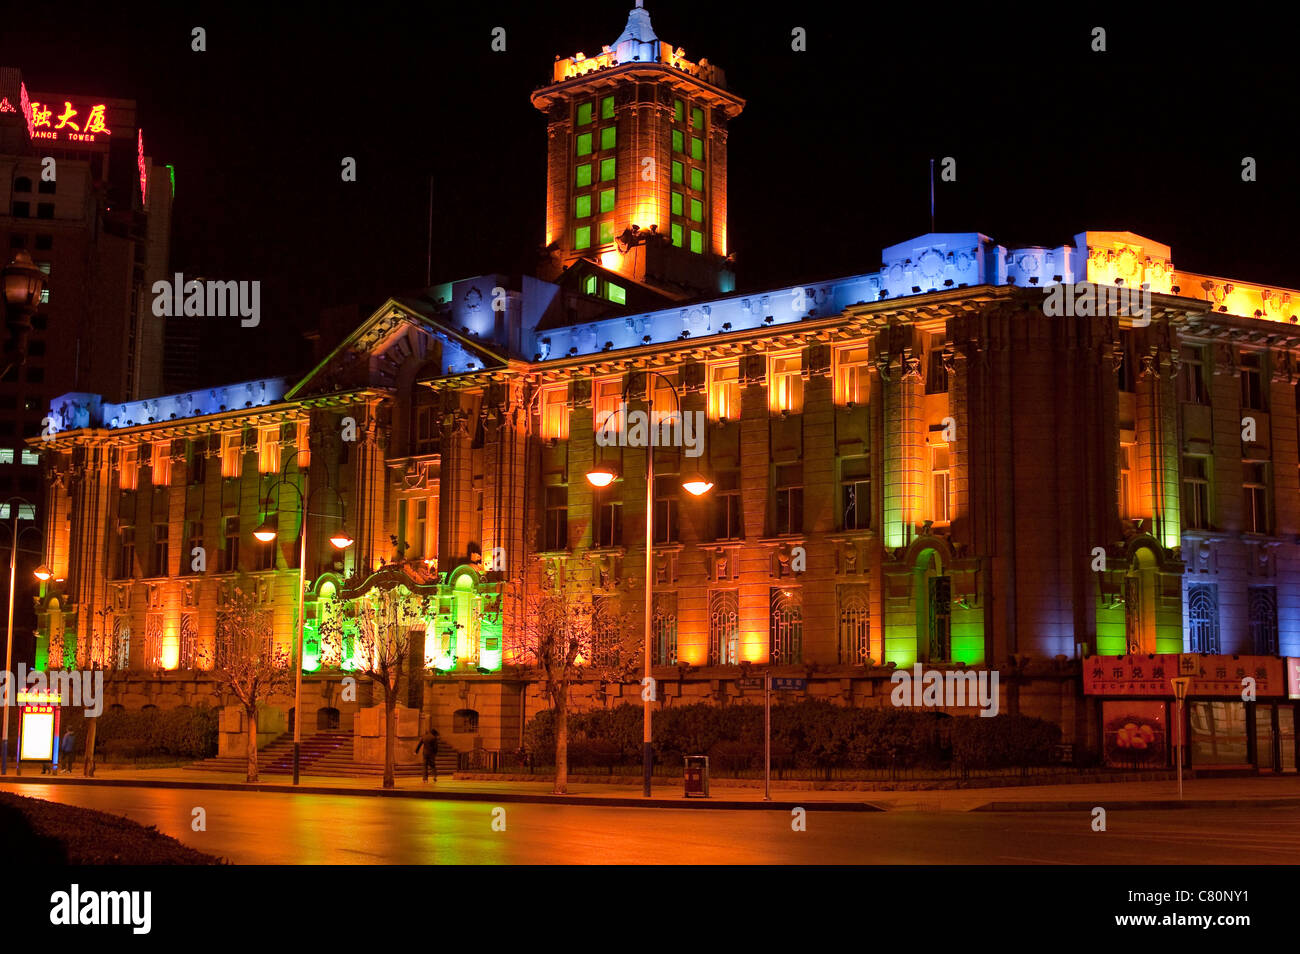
(42, 652)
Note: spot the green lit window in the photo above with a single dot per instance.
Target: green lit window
(697, 117)
(697, 148)
(677, 203)
(582, 237)
(697, 210)
(584, 174)
(697, 241)
(584, 144)
(697, 180)
(589, 284)
(606, 232)
(607, 108)
(679, 111)
(616, 293)
(583, 206)
(677, 235)
(584, 114)
(677, 172)
(607, 170)
(607, 200)
(679, 140)
(607, 137)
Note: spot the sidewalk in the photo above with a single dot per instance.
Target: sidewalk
(1258, 792)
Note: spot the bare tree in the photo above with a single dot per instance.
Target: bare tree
(382, 650)
(569, 639)
(247, 663)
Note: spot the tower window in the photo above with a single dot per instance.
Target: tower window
(697, 117)
(584, 174)
(584, 114)
(677, 235)
(697, 210)
(678, 169)
(606, 200)
(697, 242)
(679, 140)
(607, 170)
(607, 107)
(582, 237)
(584, 144)
(606, 232)
(582, 207)
(697, 148)
(697, 180)
(679, 111)
(677, 203)
(608, 136)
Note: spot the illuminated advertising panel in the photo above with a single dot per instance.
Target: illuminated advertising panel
(70, 122)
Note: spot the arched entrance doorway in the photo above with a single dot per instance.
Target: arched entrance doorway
(1140, 602)
(933, 588)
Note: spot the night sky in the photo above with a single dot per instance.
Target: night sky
(829, 163)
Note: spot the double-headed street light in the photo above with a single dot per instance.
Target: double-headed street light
(602, 475)
(16, 506)
(340, 540)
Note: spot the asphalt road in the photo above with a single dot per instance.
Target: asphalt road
(272, 828)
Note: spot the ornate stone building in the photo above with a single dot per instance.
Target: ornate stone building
(1046, 461)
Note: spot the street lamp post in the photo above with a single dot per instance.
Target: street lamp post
(340, 541)
(41, 574)
(697, 485)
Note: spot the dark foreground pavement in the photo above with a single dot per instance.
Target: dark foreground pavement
(299, 828)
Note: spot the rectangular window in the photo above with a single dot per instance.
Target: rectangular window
(785, 384)
(855, 493)
(582, 206)
(697, 180)
(584, 113)
(7, 455)
(851, 383)
(697, 148)
(591, 285)
(1126, 480)
(697, 117)
(607, 528)
(677, 203)
(29, 458)
(264, 553)
(608, 137)
(1252, 382)
(697, 210)
(724, 392)
(1191, 375)
(556, 536)
(1196, 493)
(230, 556)
(1254, 484)
(667, 495)
(606, 200)
(555, 413)
(677, 235)
(936, 375)
(607, 395)
(426, 434)
(582, 237)
(726, 506)
(697, 242)
(419, 531)
(584, 174)
(193, 541)
(607, 107)
(940, 497)
(1125, 379)
(584, 144)
(679, 111)
(160, 549)
(789, 498)
(677, 172)
(268, 450)
(679, 140)
(607, 169)
(616, 293)
(162, 464)
(126, 554)
(232, 454)
(606, 232)
(128, 475)
(196, 467)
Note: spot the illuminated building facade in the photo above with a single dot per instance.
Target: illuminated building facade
(1074, 464)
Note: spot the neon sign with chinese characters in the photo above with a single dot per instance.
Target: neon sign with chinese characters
(140, 165)
(69, 123)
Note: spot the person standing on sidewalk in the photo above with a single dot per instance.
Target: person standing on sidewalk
(429, 742)
(65, 750)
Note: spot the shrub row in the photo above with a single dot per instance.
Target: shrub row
(189, 733)
(809, 734)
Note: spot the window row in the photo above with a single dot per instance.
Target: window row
(269, 450)
(1203, 634)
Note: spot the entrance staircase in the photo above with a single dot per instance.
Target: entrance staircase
(324, 753)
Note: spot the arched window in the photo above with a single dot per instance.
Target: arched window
(724, 628)
(464, 720)
(121, 643)
(327, 719)
(855, 627)
(785, 640)
(1203, 618)
(664, 624)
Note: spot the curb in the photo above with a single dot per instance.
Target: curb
(1138, 805)
(600, 801)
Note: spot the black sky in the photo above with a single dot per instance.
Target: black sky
(829, 163)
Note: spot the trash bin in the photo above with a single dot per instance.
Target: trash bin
(695, 776)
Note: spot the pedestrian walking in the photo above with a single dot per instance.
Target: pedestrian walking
(429, 742)
(65, 750)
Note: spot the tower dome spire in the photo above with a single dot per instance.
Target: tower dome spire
(638, 29)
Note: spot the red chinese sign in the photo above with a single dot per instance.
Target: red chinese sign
(1150, 675)
(69, 123)
(141, 167)
(1292, 677)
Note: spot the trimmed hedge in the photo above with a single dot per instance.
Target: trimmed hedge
(813, 734)
(149, 733)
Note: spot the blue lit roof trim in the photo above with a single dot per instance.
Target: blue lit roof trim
(73, 411)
